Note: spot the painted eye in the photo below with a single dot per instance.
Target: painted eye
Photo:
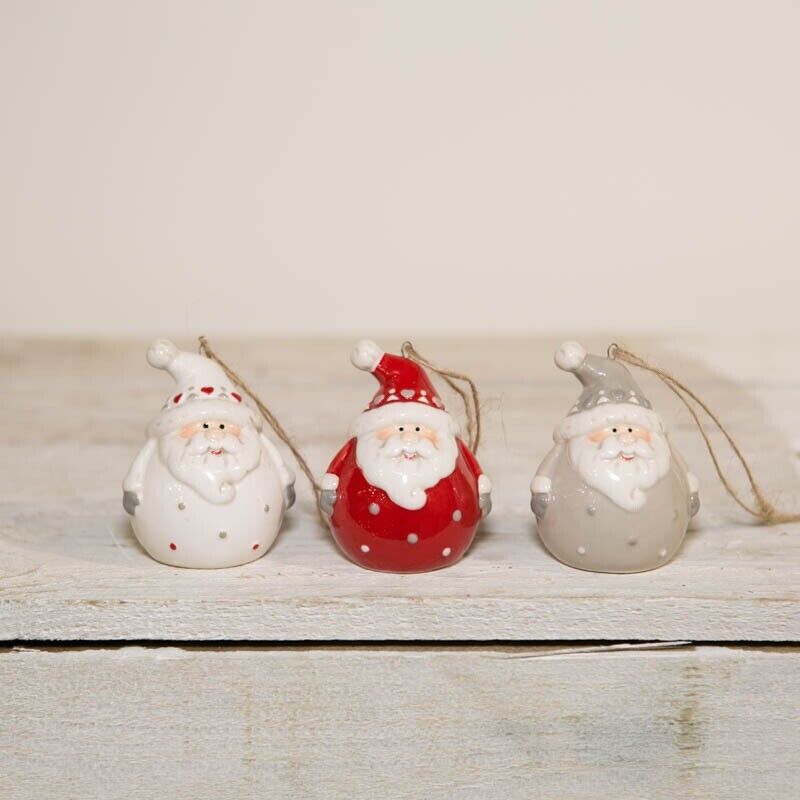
(222, 427)
(205, 424)
(417, 429)
(613, 430)
(401, 429)
(630, 430)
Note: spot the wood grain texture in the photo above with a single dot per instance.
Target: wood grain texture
(478, 723)
(70, 568)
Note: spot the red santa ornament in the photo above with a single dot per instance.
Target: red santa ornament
(404, 494)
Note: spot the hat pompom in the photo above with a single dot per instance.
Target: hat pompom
(161, 353)
(569, 356)
(366, 355)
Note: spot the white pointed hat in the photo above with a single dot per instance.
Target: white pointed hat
(202, 391)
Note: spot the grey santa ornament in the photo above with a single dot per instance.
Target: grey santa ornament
(613, 495)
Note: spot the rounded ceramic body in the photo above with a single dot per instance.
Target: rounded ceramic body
(585, 529)
(177, 526)
(378, 534)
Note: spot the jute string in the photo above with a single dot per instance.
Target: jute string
(762, 509)
(271, 419)
(470, 399)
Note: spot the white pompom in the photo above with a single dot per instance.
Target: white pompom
(569, 356)
(161, 353)
(366, 355)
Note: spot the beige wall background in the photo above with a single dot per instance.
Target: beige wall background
(414, 167)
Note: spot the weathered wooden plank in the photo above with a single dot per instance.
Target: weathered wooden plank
(482, 723)
(71, 569)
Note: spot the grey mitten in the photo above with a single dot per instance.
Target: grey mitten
(539, 503)
(485, 503)
(327, 497)
(129, 501)
(694, 503)
(289, 495)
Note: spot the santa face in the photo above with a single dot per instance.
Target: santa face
(406, 459)
(621, 461)
(211, 456)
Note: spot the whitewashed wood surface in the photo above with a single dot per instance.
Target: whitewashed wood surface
(250, 712)
(70, 568)
(469, 723)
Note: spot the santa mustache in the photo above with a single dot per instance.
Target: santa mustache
(612, 447)
(397, 446)
(199, 445)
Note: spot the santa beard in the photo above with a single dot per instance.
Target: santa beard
(385, 465)
(213, 477)
(623, 482)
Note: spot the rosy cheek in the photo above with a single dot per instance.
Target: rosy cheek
(597, 437)
(189, 431)
(431, 437)
(644, 435)
(234, 430)
(384, 434)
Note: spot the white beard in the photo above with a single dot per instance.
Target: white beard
(623, 482)
(213, 477)
(385, 465)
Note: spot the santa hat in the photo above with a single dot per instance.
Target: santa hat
(610, 395)
(405, 393)
(202, 391)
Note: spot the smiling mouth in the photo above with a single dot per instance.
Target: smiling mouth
(410, 456)
(626, 457)
(216, 452)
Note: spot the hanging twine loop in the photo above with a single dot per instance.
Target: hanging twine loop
(272, 420)
(471, 398)
(762, 509)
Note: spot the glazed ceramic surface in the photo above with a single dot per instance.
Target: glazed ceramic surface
(208, 489)
(612, 495)
(378, 534)
(404, 494)
(585, 529)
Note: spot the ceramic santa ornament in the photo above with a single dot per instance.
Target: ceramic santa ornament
(404, 494)
(612, 495)
(208, 489)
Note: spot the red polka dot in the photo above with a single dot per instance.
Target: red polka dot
(256, 546)
(173, 546)
(207, 389)
(236, 396)
(177, 397)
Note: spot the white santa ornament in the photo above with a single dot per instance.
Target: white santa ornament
(612, 495)
(208, 489)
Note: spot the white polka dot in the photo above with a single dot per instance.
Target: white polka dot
(374, 509)
(365, 548)
(581, 551)
(457, 516)
(423, 392)
(407, 393)
(662, 552)
(412, 538)
(446, 552)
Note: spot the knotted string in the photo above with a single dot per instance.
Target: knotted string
(271, 419)
(763, 509)
(470, 399)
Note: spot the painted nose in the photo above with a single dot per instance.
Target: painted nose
(627, 438)
(214, 433)
(411, 437)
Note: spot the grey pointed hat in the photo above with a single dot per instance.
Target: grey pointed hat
(610, 394)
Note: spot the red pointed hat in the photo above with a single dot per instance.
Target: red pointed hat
(405, 393)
